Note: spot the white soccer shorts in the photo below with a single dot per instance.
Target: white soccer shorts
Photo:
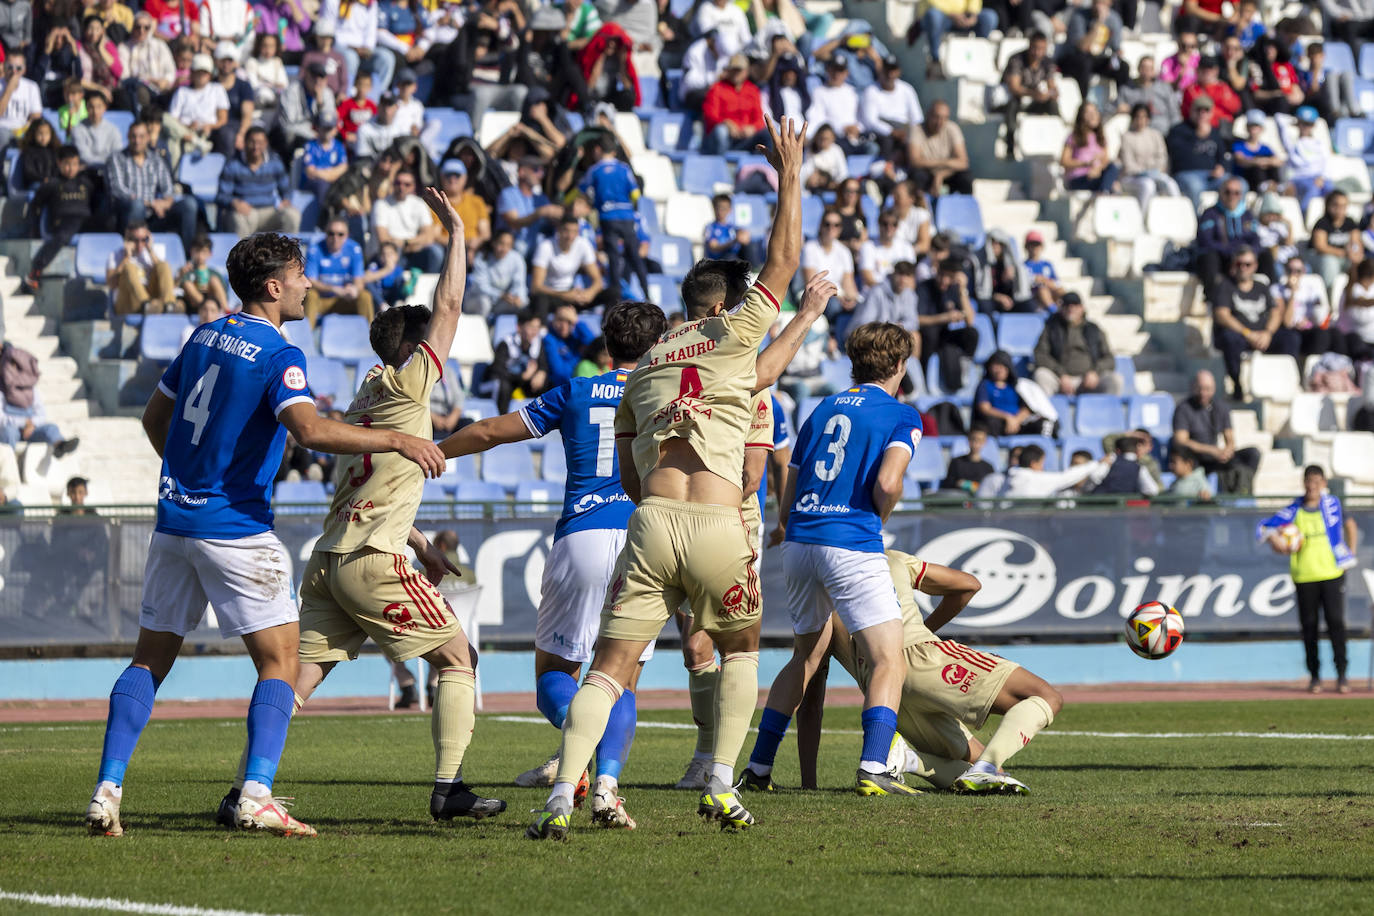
(573, 591)
(856, 584)
(247, 581)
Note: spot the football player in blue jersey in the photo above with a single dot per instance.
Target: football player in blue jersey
(586, 540)
(614, 189)
(219, 420)
(844, 480)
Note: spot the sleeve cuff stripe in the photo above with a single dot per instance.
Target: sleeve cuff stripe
(165, 390)
(766, 445)
(525, 418)
(901, 445)
(299, 399)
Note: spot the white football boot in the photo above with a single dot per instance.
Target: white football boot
(268, 813)
(608, 808)
(541, 775)
(102, 816)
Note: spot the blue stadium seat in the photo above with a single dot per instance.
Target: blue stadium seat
(1049, 445)
(168, 246)
(93, 250)
(479, 491)
(665, 292)
(329, 379)
(927, 466)
(958, 445)
(1088, 444)
(650, 92)
(813, 208)
(1364, 95)
(836, 373)
(555, 465)
(673, 254)
(200, 173)
(1367, 61)
(546, 494)
(1125, 370)
(452, 125)
(575, 121)
(804, 408)
(434, 492)
(1154, 412)
(1355, 137)
(1064, 405)
(122, 120)
(300, 491)
(702, 174)
(221, 243)
(345, 337)
(648, 212)
(1099, 414)
(309, 208)
(869, 207)
(859, 166)
(1017, 333)
(1339, 58)
(503, 326)
(670, 133)
(965, 392)
(457, 470)
(160, 338)
(961, 213)
(752, 213)
(987, 337)
(508, 465)
(300, 334)
(480, 408)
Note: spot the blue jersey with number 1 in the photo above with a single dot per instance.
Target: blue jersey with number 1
(837, 456)
(224, 447)
(584, 409)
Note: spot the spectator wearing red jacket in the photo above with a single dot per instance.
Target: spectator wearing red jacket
(733, 111)
(1226, 103)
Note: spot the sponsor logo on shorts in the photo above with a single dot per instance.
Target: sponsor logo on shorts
(398, 615)
(958, 676)
(732, 599)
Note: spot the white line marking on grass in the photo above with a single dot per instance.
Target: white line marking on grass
(50, 728)
(115, 905)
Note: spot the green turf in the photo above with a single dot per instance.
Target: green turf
(1114, 825)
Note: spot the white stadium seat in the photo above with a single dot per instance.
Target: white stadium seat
(1040, 135)
(1114, 129)
(970, 57)
(656, 169)
(472, 342)
(687, 215)
(494, 124)
(1117, 217)
(1172, 218)
(1273, 377)
(1007, 48)
(1352, 456)
(631, 132)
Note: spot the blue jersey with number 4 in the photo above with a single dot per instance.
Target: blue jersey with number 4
(224, 447)
(584, 409)
(838, 453)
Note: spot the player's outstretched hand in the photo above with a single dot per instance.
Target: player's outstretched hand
(436, 564)
(423, 452)
(443, 208)
(818, 293)
(776, 536)
(786, 146)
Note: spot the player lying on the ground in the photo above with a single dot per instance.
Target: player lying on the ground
(680, 432)
(219, 419)
(358, 582)
(768, 436)
(845, 478)
(586, 541)
(947, 689)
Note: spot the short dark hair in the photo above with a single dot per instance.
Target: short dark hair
(717, 198)
(255, 260)
(568, 218)
(709, 282)
(201, 241)
(78, 482)
(67, 151)
(631, 328)
(527, 314)
(877, 350)
(1039, 36)
(951, 265)
(1081, 453)
(1313, 470)
(1183, 453)
(255, 129)
(1030, 455)
(93, 94)
(150, 115)
(398, 325)
(1138, 107)
(1316, 47)
(133, 225)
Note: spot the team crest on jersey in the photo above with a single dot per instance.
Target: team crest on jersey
(915, 438)
(294, 378)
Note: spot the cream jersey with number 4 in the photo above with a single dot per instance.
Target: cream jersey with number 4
(760, 435)
(376, 496)
(696, 384)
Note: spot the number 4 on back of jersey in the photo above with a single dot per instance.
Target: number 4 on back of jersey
(197, 409)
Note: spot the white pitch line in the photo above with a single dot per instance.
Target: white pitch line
(115, 905)
(1287, 736)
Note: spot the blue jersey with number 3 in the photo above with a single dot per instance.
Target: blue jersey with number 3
(224, 447)
(584, 409)
(838, 453)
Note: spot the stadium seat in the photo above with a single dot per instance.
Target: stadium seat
(300, 491)
(987, 337)
(1273, 377)
(861, 165)
(200, 173)
(452, 125)
(93, 250)
(665, 292)
(1154, 412)
(1071, 444)
(308, 207)
(965, 393)
(670, 133)
(434, 498)
(672, 84)
(1354, 136)
(546, 495)
(1172, 218)
(673, 254)
(687, 215)
(630, 132)
(1367, 63)
(1099, 415)
(966, 56)
(1339, 58)
(1349, 174)
(958, 445)
(221, 243)
(300, 334)
(804, 408)
(1352, 456)
(555, 464)
(345, 337)
(1017, 333)
(927, 466)
(480, 408)
(1364, 95)
(479, 491)
(650, 92)
(159, 339)
(329, 379)
(1118, 218)
(837, 373)
(493, 124)
(656, 174)
(705, 175)
(1125, 370)
(751, 213)
(503, 326)
(648, 213)
(960, 213)
(508, 465)
(167, 245)
(813, 208)
(472, 342)
(1041, 135)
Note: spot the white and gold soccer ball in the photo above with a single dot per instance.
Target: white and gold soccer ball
(1154, 630)
(1289, 539)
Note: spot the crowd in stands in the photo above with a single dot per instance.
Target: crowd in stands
(200, 122)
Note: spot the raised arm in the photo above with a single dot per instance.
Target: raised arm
(785, 239)
(448, 297)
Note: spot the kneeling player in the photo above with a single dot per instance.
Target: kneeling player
(948, 688)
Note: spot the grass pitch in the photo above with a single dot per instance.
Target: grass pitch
(1115, 824)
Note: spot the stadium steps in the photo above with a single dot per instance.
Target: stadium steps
(59, 385)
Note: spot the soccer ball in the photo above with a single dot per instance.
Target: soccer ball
(1289, 538)
(1154, 630)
